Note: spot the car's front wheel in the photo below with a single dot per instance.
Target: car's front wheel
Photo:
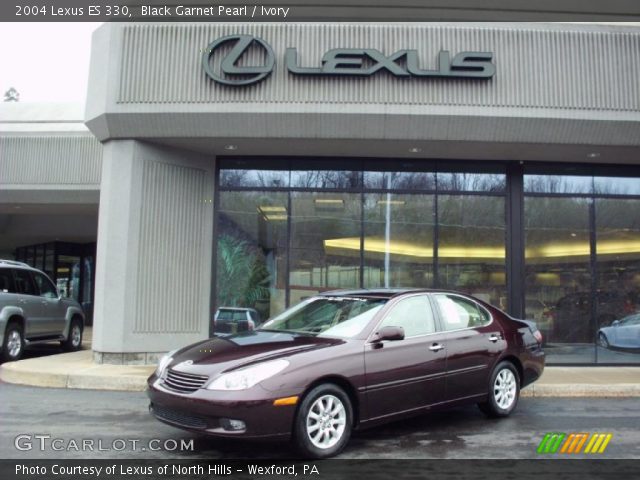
(603, 341)
(504, 391)
(13, 344)
(323, 422)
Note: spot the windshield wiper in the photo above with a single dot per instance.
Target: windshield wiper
(295, 332)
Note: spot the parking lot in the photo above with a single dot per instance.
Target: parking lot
(115, 421)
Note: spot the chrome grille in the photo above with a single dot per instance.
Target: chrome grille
(184, 382)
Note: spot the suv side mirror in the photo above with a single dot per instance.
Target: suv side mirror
(388, 333)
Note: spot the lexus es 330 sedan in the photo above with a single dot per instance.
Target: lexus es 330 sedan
(348, 360)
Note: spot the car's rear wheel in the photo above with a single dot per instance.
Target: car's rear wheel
(13, 344)
(504, 391)
(603, 341)
(74, 339)
(323, 422)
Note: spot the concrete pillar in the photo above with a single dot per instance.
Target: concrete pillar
(155, 240)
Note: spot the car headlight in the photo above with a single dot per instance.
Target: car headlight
(164, 362)
(248, 377)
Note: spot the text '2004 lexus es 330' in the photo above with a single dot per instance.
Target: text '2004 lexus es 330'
(345, 360)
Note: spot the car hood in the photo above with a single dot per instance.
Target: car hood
(220, 354)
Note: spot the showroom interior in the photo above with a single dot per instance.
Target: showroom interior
(522, 189)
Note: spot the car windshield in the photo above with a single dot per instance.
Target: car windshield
(342, 317)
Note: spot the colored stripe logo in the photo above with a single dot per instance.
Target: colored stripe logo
(574, 443)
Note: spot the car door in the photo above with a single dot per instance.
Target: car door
(53, 315)
(628, 332)
(29, 301)
(473, 342)
(405, 375)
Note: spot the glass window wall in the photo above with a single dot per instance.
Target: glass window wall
(471, 246)
(252, 251)
(558, 275)
(398, 240)
(618, 273)
(290, 228)
(338, 226)
(325, 243)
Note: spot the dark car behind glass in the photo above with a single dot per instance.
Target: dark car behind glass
(573, 312)
(234, 320)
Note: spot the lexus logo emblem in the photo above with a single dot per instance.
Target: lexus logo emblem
(231, 72)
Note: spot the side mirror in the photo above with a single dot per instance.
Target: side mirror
(388, 333)
(616, 323)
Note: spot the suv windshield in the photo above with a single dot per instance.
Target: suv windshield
(343, 317)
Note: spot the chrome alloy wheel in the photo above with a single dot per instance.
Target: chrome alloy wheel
(326, 421)
(504, 389)
(14, 343)
(76, 335)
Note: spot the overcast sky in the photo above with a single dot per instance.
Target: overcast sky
(46, 62)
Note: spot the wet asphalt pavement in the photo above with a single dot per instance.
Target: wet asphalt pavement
(114, 421)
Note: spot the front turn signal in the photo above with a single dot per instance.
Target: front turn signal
(281, 402)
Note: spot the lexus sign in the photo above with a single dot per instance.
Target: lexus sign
(225, 61)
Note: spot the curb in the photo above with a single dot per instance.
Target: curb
(620, 390)
(77, 370)
(127, 383)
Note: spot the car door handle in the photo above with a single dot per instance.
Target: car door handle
(436, 347)
(494, 337)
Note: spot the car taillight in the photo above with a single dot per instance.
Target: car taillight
(538, 336)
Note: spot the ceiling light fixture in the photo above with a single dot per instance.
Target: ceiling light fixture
(230, 147)
(271, 208)
(276, 217)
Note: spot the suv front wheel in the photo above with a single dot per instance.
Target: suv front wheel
(13, 344)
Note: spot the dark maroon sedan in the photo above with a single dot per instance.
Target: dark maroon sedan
(345, 360)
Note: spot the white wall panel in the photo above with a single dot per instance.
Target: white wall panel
(174, 210)
(50, 160)
(551, 67)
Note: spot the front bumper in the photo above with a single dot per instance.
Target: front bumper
(208, 411)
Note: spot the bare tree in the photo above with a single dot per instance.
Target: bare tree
(11, 95)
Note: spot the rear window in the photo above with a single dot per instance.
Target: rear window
(231, 315)
(458, 312)
(6, 281)
(24, 282)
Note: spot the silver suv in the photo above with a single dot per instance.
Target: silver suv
(32, 311)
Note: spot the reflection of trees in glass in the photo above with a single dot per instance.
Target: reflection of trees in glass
(480, 182)
(616, 186)
(468, 221)
(326, 179)
(243, 278)
(548, 220)
(254, 178)
(400, 180)
(558, 184)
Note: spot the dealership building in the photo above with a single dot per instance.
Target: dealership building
(255, 165)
